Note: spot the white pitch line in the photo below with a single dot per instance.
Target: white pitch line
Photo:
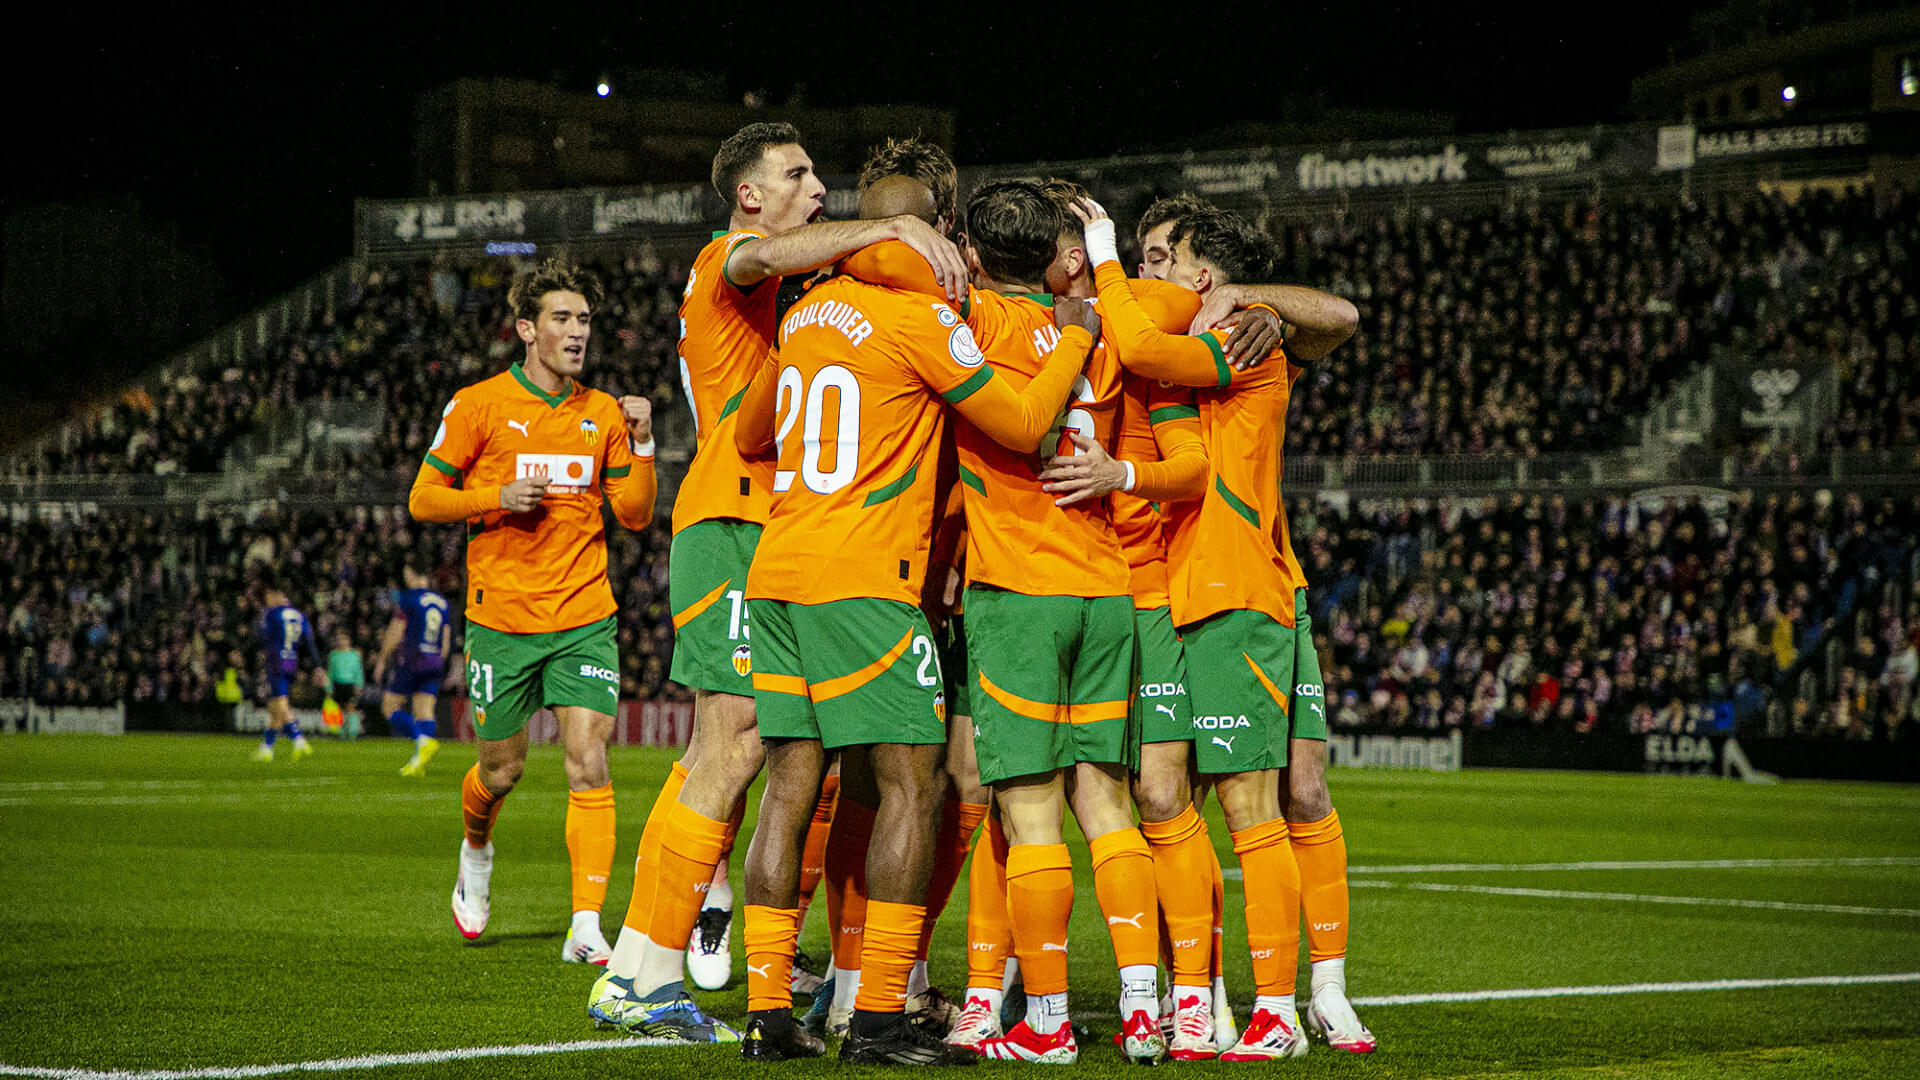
(1233, 872)
(368, 1061)
(1648, 898)
(1460, 997)
(471, 1053)
(12, 787)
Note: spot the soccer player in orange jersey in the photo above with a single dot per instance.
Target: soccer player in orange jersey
(526, 459)
(1155, 226)
(1238, 593)
(845, 658)
(727, 325)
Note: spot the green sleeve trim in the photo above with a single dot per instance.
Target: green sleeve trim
(967, 389)
(1234, 501)
(1172, 412)
(617, 472)
(726, 264)
(893, 490)
(445, 469)
(733, 404)
(1219, 360)
(972, 480)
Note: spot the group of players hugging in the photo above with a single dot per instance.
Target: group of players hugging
(979, 529)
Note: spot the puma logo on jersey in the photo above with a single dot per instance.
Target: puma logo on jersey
(519, 426)
(1115, 920)
(1317, 710)
(1227, 743)
(1171, 715)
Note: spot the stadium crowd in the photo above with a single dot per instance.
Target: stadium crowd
(1519, 330)
(1594, 615)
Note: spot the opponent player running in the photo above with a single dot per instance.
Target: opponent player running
(283, 631)
(846, 658)
(727, 325)
(1231, 567)
(422, 637)
(525, 459)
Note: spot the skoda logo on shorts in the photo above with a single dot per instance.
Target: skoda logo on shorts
(743, 661)
(940, 706)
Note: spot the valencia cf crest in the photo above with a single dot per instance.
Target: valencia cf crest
(743, 661)
(940, 706)
(591, 432)
(480, 716)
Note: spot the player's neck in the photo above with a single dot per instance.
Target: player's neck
(548, 380)
(1010, 288)
(1081, 287)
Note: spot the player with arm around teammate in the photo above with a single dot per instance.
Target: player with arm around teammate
(412, 661)
(526, 459)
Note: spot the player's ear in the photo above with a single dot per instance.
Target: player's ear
(524, 327)
(747, 195)
(1074, 260)
(974, 269)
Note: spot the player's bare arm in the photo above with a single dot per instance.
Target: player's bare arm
(811, 247)
(389, 642)
(1313, 323)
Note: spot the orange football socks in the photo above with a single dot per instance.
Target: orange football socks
(813, 857)
(646, 865)
(886, 956)
(772, 935)
(1123, 881)
(958, 820)
(480, 808)
(1040, 900)
(1321, 850)
(1183, 867)
(847, 880)
(1272, 881)
(989, 934)
(690, 848)
(590, 823)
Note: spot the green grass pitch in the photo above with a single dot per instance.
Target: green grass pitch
(170, 905)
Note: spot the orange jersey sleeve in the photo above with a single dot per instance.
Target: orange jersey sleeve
(725, 332)
(1224, 551)
(862, 372)
(1160, 436)
(546, 569)
(1017, 538)
(893, 264)
(1149, 349)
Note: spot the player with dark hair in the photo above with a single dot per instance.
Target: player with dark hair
(526, 459)
(727, 326)
(1238, 592)
(284, 632)
(1154, 227)
(421, 637)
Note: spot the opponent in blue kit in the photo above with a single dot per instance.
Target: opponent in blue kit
(284, 633)
(413, 660)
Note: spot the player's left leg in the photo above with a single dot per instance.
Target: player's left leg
(425, 728)
(278, 713)
(1320, 848)
(581, 682)
(960, 817)
(794, 770)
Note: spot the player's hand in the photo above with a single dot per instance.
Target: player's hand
(1088, 211)
(523, 494)
(1217, 310)
(949, 266)
(1256, 333)
(1068, 311)
(638, 413)
(1090, 474)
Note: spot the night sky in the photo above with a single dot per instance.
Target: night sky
(256, 134)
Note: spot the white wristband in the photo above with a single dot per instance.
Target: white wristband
(641, 449)
(1131, 478)
(1101, 246)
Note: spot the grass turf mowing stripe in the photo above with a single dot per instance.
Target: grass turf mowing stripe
(1647, 898)
(1462, 997)
(367, 1061)
(471, 1053)
(1233, 872)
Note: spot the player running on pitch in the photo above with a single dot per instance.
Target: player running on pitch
(526, 459)
(412, 661)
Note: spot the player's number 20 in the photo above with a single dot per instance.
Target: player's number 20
(811, 401)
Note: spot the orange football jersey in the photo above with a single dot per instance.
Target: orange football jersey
(725, 332)
(546, 569)
(1160, 436)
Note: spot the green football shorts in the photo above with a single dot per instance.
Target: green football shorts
(510, 676)
(951, 640)
(1160, 706)
(707, 589)
(1051, 680)
(848, 673)
(1254, 684)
